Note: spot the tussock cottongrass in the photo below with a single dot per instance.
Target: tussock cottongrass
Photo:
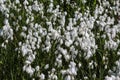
(59, 40)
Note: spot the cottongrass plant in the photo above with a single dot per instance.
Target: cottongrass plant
(59, 40)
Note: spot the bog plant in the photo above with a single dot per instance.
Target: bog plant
(59, 40)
